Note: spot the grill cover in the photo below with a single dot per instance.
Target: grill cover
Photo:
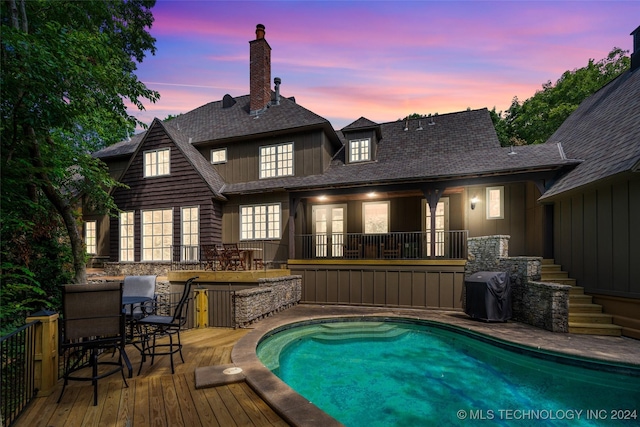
(488, 296)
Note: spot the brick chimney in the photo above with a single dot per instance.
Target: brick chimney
(259, 72)
(635, 54)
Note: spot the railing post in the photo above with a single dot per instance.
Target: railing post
(201, 308)
(46, 352)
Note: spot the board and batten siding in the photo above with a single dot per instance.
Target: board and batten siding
(181, 188)
(597, 235)
(429, 285)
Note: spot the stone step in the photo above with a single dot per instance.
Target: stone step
(599, 318)
(580, 299)
(585, 308)
(548, 261)
(595, 329)
(551, 267)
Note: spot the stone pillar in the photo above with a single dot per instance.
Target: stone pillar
(46, 354)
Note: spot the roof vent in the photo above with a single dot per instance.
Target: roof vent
(228, 101)
(511, 152)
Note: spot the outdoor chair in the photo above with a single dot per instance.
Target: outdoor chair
(93, 321)
(213, 257)
(139, 286)
(159, 325)
(391, 249)
(353, 249)
(235, 259)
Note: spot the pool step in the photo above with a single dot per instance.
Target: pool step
(358, 330)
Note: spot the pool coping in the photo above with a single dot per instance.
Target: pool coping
(298, 411)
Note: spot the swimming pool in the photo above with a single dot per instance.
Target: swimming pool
(401, 372)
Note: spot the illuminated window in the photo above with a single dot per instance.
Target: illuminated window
(276, 160)
(190, 224)
(260, 222)
(90, 236)
(126, 236)
(359, 150)
(375, 217)
(157, 235)
(495, 202)
(219, 156)
(156, 162)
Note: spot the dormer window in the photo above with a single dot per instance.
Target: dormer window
(276, 160)
(219, 155)
(156, 162)
(359, 150)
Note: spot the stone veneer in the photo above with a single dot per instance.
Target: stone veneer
(136, 268)
(271, 296)
(540, 304)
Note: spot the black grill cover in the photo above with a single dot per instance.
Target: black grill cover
(488, 296)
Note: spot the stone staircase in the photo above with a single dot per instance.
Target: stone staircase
(585, 317)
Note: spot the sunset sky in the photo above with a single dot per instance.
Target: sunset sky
(381, 60)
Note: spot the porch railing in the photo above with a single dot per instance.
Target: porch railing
(409, 245)
(18, 371)
(272, 254)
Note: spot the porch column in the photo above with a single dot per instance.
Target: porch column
(293, 207)
(432, 194)
(547, 222)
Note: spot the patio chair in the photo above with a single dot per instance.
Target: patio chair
(390, 249)
(93, 321)
(353, 249)
(139, 286)
(235, 259)
(159, 325)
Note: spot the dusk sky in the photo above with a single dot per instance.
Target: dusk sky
(381, 60)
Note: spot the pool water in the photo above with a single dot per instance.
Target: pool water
(415, 374)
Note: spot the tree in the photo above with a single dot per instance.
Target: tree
(537, 118)
(67, 74)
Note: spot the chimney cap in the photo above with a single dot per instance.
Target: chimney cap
(259, 31)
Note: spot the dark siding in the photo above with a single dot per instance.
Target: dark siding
(596, 235)
(243, 158)
(183, 187)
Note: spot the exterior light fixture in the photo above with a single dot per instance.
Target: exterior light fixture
(322, 198)
(371, 194)
(474, 200)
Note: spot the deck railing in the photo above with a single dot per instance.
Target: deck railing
(271, 254)
(18, 371)
(411, 245)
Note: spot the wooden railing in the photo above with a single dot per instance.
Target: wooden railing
(411, 245)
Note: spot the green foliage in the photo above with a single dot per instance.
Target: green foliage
(67, 74)
(537, 118)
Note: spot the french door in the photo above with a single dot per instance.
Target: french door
(328, 230)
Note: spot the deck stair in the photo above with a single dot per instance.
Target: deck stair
(585, 317)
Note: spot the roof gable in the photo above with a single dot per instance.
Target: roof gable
(604, 132)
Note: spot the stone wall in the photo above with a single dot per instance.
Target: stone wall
(271, 296)
(541, 304)
(136, 268)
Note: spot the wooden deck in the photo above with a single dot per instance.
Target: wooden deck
(158, 398)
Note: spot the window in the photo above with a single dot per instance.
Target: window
(126, 236)
(156, 162)
(190, 219)
(219, 156)
(90, 236)
(495, 202)
(359, 150)
(375, 217)
(157, 235)
(276, 160)
(260, 222)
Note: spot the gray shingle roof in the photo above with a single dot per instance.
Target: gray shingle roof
(458, 145)
(604, 132)
(211, 122)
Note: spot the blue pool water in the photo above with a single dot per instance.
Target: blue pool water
(409, 373)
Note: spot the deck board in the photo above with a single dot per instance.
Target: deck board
(156, 397)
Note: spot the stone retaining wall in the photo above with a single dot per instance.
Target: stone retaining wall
(540, 304)
(271, 296)
(136, 268)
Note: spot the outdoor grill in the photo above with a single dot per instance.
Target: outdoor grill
(488, 296)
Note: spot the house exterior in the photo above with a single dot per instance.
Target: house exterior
(363, 213)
